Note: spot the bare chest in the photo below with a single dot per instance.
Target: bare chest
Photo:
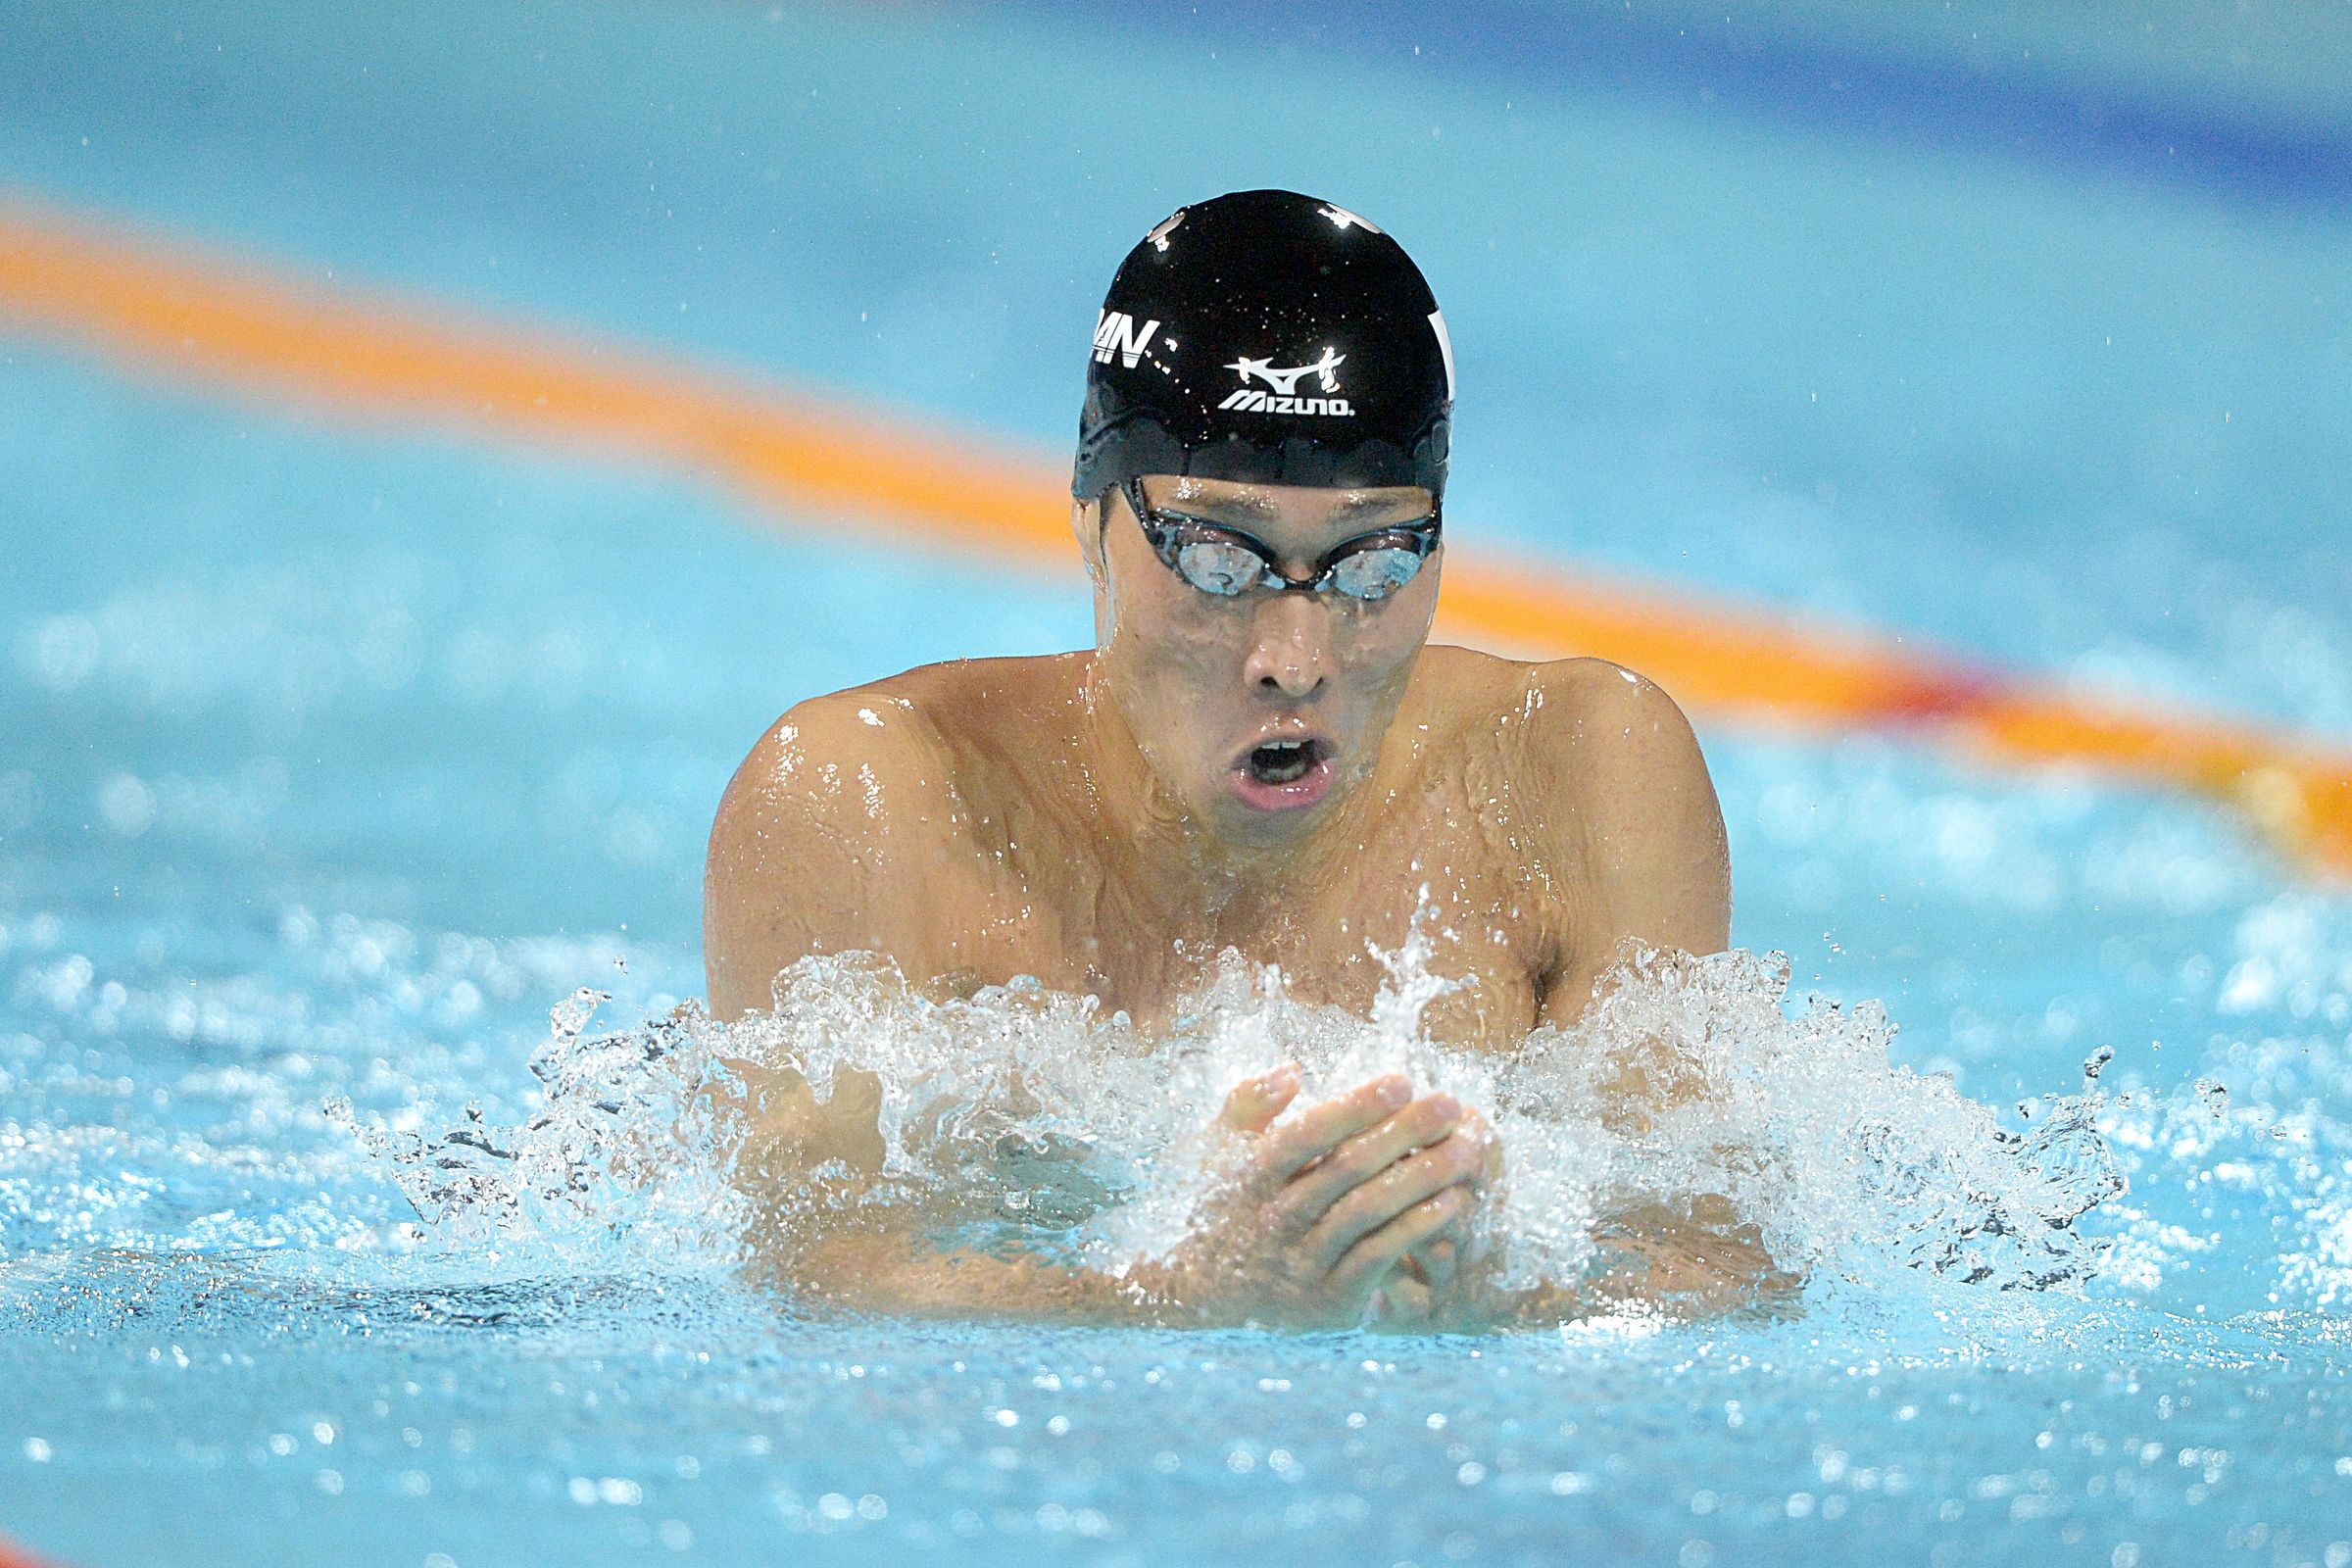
(1461, 888)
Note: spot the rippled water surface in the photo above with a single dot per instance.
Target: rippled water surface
(229, 911)
(333, 763)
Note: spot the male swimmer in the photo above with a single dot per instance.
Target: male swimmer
(1261, 751)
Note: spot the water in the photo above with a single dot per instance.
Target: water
(332, 760)
(385, 1285)
(1019, 1119)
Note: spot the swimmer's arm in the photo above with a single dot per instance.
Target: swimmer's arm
(1313, 1214)
(823, 844)
(808, 1167)
(901, 1273)
(1634, 812)
(1646, 1262)
(1640, 817)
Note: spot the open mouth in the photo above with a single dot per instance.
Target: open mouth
(1282, 762)
(1285, 775)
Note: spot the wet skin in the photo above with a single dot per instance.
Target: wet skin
(1289, 774)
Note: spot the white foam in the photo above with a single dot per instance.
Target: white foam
(1025, 1118)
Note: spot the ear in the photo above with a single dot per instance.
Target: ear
(1086, 522)
(1087, 527)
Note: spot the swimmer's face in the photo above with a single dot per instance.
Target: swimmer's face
(1260, 709)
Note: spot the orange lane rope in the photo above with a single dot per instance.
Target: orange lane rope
(11, 1557)
(157, 304)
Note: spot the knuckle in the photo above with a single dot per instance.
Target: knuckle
(1400, 1185)
(1328, 1134)
(1281, 1213)
(1287, 1151)
(1436, 1162)
(1347, 1217)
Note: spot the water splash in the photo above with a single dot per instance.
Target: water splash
(1695, 1094)
(621, 1148)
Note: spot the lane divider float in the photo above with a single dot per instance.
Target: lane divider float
(819, 461)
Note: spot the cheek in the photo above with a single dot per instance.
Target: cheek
(1373, 649)
(1378, 649)
(1173, 662)
(1174, 642)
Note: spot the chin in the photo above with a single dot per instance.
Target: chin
(1240, 815)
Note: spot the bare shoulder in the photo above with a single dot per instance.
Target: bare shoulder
(1592, 727)
(846, 827)
(1612, 733)
(816, 839)
(1621, 778)
(814, 765)
(825, 759)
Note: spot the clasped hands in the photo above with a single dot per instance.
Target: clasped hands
(1354, 1211)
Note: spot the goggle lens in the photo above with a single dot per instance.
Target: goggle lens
(1377, 572)
(1225, 562)
(1219, 566)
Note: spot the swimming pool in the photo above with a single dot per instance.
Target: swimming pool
(332, 757)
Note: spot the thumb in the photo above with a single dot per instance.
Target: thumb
(1255, 1101)
(1479, 1128)
(1401, 1300)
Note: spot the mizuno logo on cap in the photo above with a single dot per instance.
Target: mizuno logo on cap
(1285, 382)
(1116, 334)
(1250, 399)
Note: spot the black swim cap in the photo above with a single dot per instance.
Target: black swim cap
(1267, 336)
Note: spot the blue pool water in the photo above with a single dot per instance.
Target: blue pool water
(333, 758)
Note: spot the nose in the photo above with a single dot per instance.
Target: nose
(1289, 651)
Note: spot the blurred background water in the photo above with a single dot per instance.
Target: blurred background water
(333, 753)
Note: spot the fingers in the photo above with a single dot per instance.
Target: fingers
(1477, 1126)
(1255, 1101)
(1319, 1131)
(1395, 1189)
(1364, 1264)
(1427, 1121)
(1435, 1264)
(1402, 1301)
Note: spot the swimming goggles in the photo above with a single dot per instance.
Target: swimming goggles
(1222, 561)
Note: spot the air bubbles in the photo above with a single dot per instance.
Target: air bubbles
(2214, 1095)
(126, 804)
(61, 652)
(20, 801)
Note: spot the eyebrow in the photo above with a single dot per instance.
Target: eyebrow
(1257, 508)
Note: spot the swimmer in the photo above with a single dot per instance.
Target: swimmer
(1261, 751)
